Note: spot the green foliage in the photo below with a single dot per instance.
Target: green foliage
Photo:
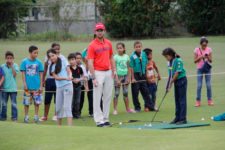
(11, 11)
(135, 18)
(203, 16)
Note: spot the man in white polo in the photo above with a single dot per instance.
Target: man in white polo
(102, 68)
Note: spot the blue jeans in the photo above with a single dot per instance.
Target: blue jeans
(152, 91)
(199, 84)
(5, 97)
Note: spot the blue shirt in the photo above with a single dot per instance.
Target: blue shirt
(10, 81)
(32, 69)
(63, 74)
(2, 74)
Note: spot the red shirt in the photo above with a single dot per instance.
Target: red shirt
(101, 53)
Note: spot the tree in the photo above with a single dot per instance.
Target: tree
(203, 16)
(135, 18)
(10, 12)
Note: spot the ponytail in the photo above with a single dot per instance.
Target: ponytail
(170, 52)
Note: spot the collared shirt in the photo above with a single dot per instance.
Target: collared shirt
(177, 65)
(10, 81)
(101, 53)
(138, 63)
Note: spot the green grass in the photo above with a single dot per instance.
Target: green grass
(84, 134)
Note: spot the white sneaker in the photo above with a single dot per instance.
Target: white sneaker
(54, 118)
(115, 112)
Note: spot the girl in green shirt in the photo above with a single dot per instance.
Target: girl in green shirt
(177, 76)
(122, 77)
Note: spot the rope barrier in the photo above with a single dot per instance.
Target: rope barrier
(139, 81)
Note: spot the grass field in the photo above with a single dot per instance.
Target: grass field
(84, 134)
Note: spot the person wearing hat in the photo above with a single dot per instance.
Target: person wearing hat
(203, 58)
(102, 68)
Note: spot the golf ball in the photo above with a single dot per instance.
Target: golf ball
(150, 125)
(120, 123)
(139, 128)
(203, 119)
(212, 118)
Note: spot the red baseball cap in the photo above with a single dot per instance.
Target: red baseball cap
(99, 26)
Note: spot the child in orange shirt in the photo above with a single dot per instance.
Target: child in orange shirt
(151, 71)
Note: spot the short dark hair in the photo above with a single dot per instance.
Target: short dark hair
(32, 48)
(147, 51)
(71, 56)
(137, 42)
(55, 44)
(9, 53)
(78, 54)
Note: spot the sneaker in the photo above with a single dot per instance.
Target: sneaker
(101, 125)
(146, 109)
(91, 115)
(54, 118)
(26, 119)
(107, 124)
(43, 119)
(197, 103)
(36, 119)
(137, 110)
(174, 121)
(115, 112)
(131, 111)
(181, 122)
(210, 103)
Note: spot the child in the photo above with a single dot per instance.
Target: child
(60, 70)
(151, 70)
(90, 87)
(122, 77)
(32, 72)
(138, 62)
(78, 77)
(177, 75)
(11, 70)
(2, 77)
(49, 82)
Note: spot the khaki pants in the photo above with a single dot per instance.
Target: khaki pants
(104, 91)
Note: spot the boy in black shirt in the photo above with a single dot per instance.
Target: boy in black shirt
(78, 77)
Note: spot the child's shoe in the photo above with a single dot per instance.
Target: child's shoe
(36, 119)
(197, 103)
(131, 111)
(26, 119)
(146, 109)
(210, 103)
(115, 112)
(54, 118)
(43, 119)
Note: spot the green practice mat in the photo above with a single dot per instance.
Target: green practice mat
(165, 126)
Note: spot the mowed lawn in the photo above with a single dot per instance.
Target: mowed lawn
(84, 134)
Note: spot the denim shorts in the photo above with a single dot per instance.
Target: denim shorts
(32, 96)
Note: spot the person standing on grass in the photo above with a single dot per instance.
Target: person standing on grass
(11, 70)
(32, 73)
(90, 87)
(203, 54)
(152, 75)
(102, 68)
(177, 76)
(49, 82)
(122, 61)
(78, 77)
(2, 78)
(60, 70)
(138, 62)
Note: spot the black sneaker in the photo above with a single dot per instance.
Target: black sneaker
(101, 125)
(181, 122)
(107, 124)
(174, 121)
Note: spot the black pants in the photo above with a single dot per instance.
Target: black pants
(181, 99)
(50, 89)
(142, 87)
(76, 101)
(90, 98)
